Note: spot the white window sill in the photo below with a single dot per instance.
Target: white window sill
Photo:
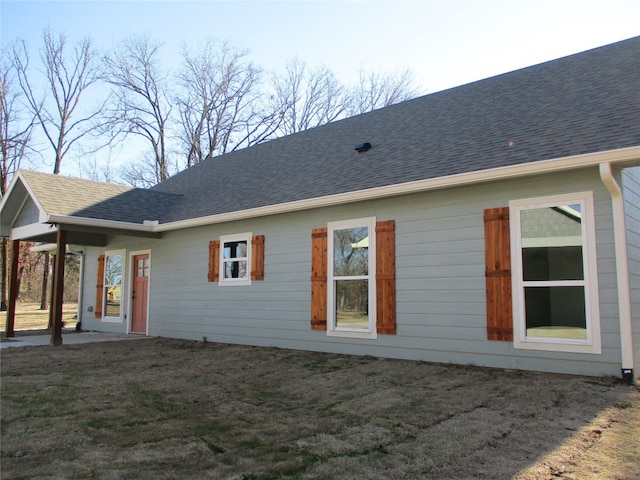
(234, 283)
(352, 334)
(111, 319)
(558, 345)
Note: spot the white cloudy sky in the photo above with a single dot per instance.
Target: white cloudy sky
(445, 42)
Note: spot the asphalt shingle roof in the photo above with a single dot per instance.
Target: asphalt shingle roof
(584, 103)
(67, 196)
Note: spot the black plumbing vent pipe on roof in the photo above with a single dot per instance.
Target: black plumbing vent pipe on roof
(363, 147)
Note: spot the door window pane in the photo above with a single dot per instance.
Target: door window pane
(142, 267)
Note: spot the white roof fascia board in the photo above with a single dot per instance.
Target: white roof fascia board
(52, 247)
(630, 155)
(99, 223)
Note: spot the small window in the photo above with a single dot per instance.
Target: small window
(555, 279)
(235, 259)
(351, 295)
(113, 275)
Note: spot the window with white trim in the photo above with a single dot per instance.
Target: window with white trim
(113, 287)
(351, 278)
(235, 259)
(555, 286)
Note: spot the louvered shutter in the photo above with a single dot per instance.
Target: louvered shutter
(214, 260)
(386, 277)
(498, 274)
(257, 257)
(99, 287)
(319, 279)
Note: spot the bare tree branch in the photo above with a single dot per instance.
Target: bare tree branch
(308, 98)
(142, 105)
(377, 90)
(219, 102)
(68, 77)
(16, 122)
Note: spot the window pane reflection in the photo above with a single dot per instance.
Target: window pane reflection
(352, 303)
(113, 285)
(552, 243)
(113, 270)
(235, 249)
(112, 301)
(235, 269)
(351, 252)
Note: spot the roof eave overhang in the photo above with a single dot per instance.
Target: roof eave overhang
(624, 157)
(146, 228)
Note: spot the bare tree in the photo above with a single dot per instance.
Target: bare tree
(142, 99)
(377, 90)
(63, 121)
(308, 98)
(219, 102)
(141, 173)
(68, 77)
(16, 128)
(97, 171)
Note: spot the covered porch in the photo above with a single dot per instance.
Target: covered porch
(64, 214)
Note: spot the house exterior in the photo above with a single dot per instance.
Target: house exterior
(493, 224)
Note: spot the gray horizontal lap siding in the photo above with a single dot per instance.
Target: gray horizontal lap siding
(631, 183)
(440, 284)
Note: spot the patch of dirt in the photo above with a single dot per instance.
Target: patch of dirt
(166, 409)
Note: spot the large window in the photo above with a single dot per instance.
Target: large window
(113, 275)
(351, 293)
(235, 259)
(554, 274)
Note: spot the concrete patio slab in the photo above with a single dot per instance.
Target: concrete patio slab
(68, 338)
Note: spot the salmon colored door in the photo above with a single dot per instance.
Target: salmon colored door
(140, 296)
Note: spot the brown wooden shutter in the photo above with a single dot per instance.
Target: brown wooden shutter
(99, 287)
(498, 274)
(214, 260)
(386, 277)
(319, 279)
(257, 257)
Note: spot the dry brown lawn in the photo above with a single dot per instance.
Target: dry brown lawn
(173, 409)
